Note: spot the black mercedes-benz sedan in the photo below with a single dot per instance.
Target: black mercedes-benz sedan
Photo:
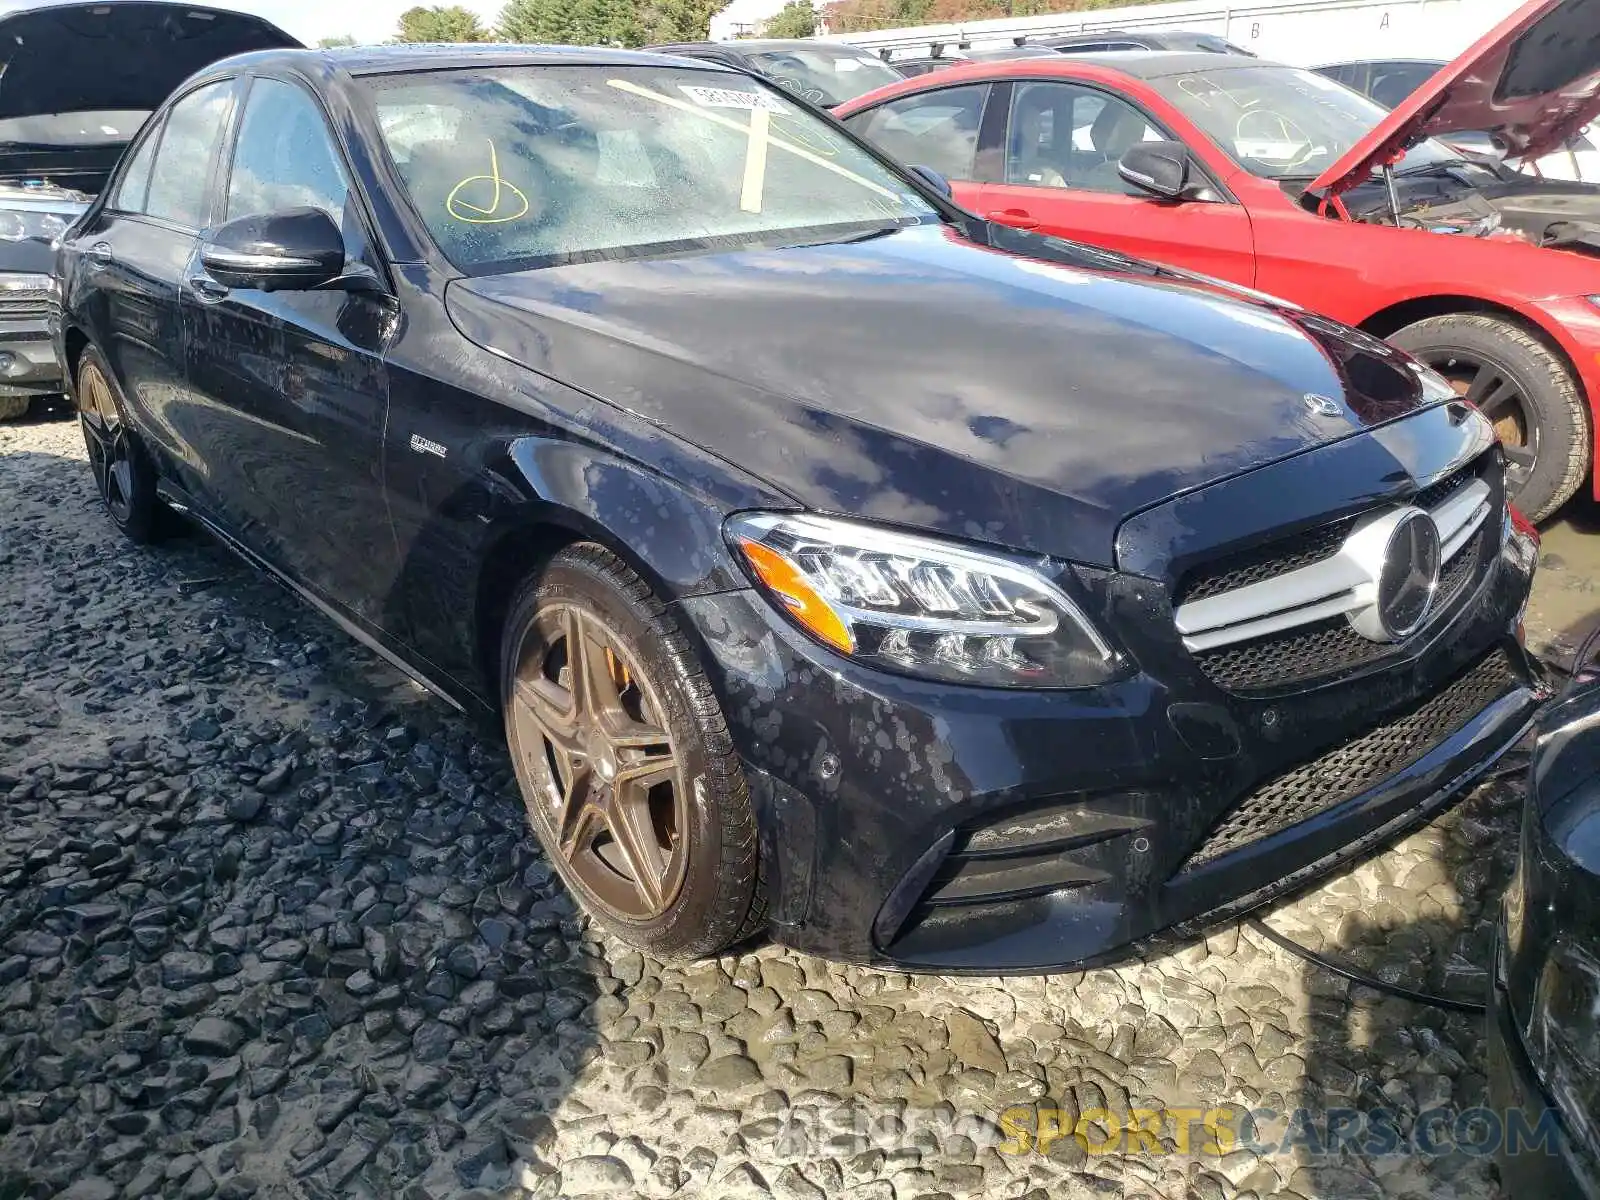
(1544, 1010)
(923, 591)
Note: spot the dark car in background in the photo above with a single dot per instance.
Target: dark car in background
(821, 72)
(942, 57)
(77, 80)
(1099, 41)
(925, 591)
(1544, 1005)
(1390, 81)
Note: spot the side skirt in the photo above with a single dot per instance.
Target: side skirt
(178, 500)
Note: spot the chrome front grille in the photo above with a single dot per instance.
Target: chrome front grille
(17, 310)
(1287, 613)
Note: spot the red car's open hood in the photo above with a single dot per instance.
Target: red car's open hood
(1532, 82)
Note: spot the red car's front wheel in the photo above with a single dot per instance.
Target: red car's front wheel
(1526, 389)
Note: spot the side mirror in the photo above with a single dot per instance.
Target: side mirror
(1160, 168)
(934, 180)
(294, 249)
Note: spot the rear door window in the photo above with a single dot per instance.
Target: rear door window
(135, 182)
(182, 170)
(938, 130)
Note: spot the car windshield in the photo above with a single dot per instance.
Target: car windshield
(825, 76)
(526, 166)
(114, 127)
(1282, 122)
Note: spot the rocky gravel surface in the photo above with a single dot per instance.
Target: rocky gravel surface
(271, 925)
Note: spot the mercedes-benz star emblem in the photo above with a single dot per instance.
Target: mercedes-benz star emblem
(1320, 406)
(1410, 576)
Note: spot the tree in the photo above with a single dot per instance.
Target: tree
(796, 19)
(571, 22)
(451, 23)
(343, 39)
(854, 16)
(677, 20)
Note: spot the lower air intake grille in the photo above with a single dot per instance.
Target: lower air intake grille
(1358, 765)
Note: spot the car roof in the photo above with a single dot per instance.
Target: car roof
(1140, 64)
(374, 60)
(1156, 64)
(1373, 62)
(757, 46)
(1135, 64)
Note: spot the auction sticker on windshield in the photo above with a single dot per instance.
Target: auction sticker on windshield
(708, 97)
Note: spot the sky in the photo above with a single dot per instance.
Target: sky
(365, 20)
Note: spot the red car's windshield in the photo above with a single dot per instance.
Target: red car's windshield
(1282, 122)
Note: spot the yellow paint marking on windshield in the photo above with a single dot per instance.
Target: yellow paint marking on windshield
(755, 160)
(623, 85)
(473, 214)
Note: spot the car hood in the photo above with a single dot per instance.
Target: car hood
(116, 54)
(1533, 81)
(923, 379)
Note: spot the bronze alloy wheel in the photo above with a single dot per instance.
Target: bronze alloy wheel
(124, 473)
(106, 437)
(1499, 397)
(602, 776)
(1526, 388)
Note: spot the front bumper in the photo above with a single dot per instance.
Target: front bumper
(28, 362)
(1096, 806)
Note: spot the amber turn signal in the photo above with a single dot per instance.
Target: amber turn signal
(784, 580)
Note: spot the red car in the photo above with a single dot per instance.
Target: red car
(1284, 181)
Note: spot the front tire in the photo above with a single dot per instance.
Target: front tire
(1526, 389)
(123, 473)
(624, 759)
(12, 407)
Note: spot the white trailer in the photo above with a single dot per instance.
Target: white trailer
(1302, 32)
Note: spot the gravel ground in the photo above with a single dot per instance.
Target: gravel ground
(270, 924)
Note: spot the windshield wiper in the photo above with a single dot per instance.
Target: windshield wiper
(847, 239)
(7, 146)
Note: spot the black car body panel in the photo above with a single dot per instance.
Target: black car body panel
(1065, 448)
(404, 452)
(1543, 1067)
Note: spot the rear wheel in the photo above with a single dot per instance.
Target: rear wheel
(122, 470)
(624, 759)
(1526, 389)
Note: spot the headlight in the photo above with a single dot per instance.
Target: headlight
(19, 224)
(1563, 1039)
(922, 606)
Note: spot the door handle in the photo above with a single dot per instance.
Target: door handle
(100, 254)
(1017, 218)
(207, 288)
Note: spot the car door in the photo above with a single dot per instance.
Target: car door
(1062, 144)
(294, 380)
(136, 252)
(939, 129)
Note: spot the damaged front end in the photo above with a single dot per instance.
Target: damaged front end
(1478, 200)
